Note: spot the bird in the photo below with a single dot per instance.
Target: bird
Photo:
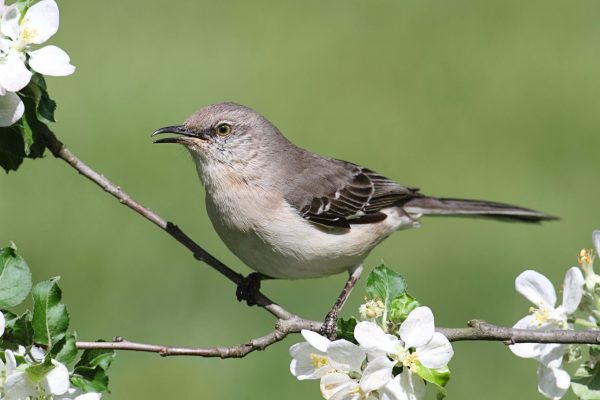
(289, 213)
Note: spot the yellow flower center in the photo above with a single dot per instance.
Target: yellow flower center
(28, 34)
(410, 359)
(541, 315)
(585, 257)
(318, 360)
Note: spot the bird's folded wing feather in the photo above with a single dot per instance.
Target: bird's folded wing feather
(337, 193)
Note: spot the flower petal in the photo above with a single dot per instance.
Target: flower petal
(57, 381)
(11, 362)
(51, 60)
(436, 353)
(377, 373)
(345, 355)
(596, 240)
(11, 110)
(2, 319)
(89, 396)
(317, 341)
(551, 354)
(418, 327)
(553, 382)
(525, 350)
(337, 386)
(14, 76)
(18, 387)
(373, 339)
(302, 365)
(536, 288)
(406, 386)
(572, 290)
(40, 22)
(9, 25)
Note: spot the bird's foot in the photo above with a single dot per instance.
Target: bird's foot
(249, 288)
(329, 327)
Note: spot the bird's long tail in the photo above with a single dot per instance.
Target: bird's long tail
(473, 208)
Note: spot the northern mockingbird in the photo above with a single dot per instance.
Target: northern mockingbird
(289, 213)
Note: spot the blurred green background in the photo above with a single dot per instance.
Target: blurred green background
(493, 100)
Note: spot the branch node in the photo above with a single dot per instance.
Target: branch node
(118, 339)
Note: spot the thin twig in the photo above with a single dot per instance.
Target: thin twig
(287, 322)
(478, 330)
(59, 150)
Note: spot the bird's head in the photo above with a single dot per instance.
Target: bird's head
(224, 132)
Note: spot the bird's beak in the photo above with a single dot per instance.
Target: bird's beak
(179, 130)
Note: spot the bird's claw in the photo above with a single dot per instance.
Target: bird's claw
(248, 288)
(329, 327)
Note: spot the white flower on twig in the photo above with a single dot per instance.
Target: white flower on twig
(18, 38)
(418, 343)
(553, 381)
(318, 356)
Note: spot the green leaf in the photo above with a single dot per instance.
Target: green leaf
(345, 329)
(44, 105)
(50, 316)
(586, 382)
(438, 377)
(18, 328)
(37, 372)
(65, 351)
(90, 379)
(90, 371)
(385, 284)
(11, 148)
(401, 306)
(15, 278)
(97, 358)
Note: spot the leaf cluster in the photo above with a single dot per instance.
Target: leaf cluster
(46, 326)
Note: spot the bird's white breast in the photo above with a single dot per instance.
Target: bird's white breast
(269, 235)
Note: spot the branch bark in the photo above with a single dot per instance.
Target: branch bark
(477, 330)
(286, 322)
(59, 150)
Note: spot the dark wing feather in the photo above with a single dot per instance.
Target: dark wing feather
(337, 193)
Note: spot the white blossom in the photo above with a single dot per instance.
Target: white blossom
(539, 290)
(418, 343)
(553, 383)
(318, 356)
(18, 39)
(18, 385)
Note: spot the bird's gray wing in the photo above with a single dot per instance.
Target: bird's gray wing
(337, 193)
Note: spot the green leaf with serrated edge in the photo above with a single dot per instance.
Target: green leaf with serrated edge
(439, 377)
(65, 350)
(11, 148)
(37, 372)
(31, 127)
(401, 306)
(27, 132)
(15, 278)
(18, 329)
(385, 284)
(50, 316)
(90, 379)
(44, 105)
(96, 358)
(345, 329)
(586, 382)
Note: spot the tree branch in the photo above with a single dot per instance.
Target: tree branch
(59, 150)
(478, 330)
(287, 322)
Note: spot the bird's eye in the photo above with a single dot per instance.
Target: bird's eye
(223, 129)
